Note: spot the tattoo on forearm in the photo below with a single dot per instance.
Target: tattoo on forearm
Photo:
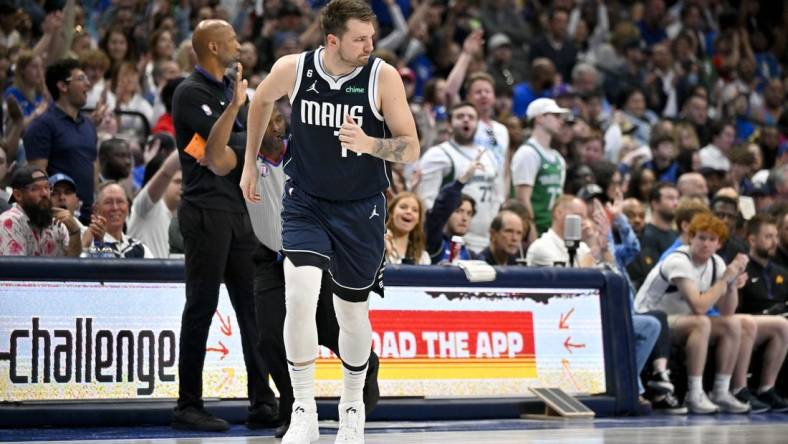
(391, 149)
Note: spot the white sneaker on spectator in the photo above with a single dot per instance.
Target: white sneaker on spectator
(303, 426)
(728, 403)
(351, 423)
(700, 404)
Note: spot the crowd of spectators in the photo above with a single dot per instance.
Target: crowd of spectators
(662, 125)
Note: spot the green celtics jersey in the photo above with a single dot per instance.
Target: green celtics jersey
(548, 186)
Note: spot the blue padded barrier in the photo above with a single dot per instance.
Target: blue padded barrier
(620, 398)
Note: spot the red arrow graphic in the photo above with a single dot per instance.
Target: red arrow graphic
(568, 371)
(227, 327)
(569, 345)
(223, 350)
(562, 325)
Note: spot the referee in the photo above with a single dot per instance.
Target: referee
(217, 233)
(269, 280)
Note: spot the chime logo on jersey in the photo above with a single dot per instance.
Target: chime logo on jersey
(330, 114)
(354, 90)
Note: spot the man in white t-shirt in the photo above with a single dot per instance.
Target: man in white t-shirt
(685, 285)
(538, 171)
(445, 163)
(155, 205)
(550, 249)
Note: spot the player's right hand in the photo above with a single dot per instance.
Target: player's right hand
(249, 183)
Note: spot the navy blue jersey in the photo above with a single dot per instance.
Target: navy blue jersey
(315, 160)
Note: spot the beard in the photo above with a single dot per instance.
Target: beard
(40, 214)
(354, 62)
(461, 139)
(667, 216)
(764, 252)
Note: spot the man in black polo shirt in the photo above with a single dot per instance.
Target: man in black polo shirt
(63, 140)
(766, 290)
(767, 285)
(217, 233)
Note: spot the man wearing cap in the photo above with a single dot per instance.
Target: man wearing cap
(63, 192)
(538, 171)
(33, 227)
(505, 69)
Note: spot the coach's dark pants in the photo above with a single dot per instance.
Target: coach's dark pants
(218, 246)
(269, 299)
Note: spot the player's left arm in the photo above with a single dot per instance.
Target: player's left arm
(403, 145)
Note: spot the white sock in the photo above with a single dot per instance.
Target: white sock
(764, 389)
(695, 385)
(353, 384)
(303, 380)
(722, 383)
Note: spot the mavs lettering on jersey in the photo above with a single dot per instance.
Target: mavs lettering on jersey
(316, 161)
(329, 114)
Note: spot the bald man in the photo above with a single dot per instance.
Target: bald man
(217, 233)
(550, 249)
(693, 185)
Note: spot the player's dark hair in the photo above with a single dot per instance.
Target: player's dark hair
(337, 13)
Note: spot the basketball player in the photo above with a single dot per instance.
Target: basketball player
(333, 209)
(269, 281)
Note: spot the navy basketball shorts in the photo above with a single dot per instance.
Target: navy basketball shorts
(343, 237)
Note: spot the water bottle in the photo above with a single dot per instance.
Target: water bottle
(100, 249)
(106, 251)
(93, 250)
(457, 242)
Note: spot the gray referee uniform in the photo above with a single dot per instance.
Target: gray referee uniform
(266, 215)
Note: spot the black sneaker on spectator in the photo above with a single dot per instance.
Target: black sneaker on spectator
(756, 405)
(263, 417)
(193, 418)
(660, 382)
(669, 405)
(775, 401)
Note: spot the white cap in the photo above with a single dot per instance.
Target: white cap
(543, 106)
(711, 158)
(498, 40)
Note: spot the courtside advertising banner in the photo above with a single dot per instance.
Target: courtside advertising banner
(91, 341)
